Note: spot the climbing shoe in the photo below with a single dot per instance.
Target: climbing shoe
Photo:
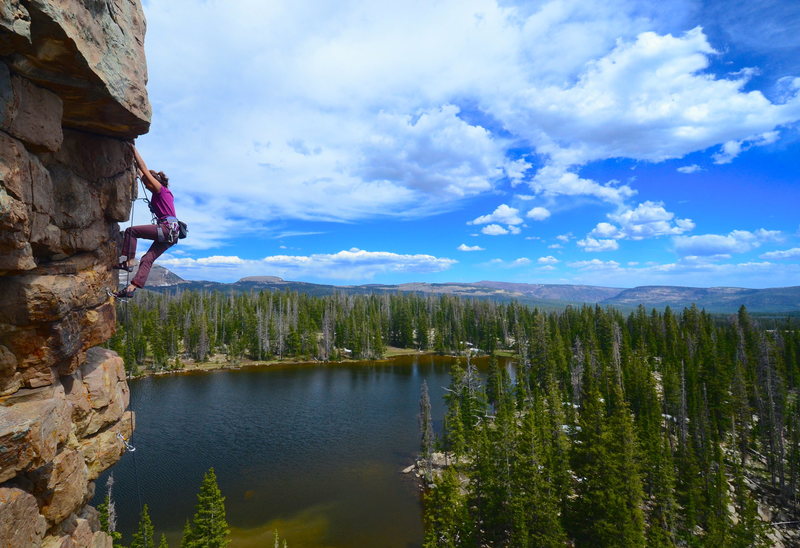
(123, 266)
(123, 294)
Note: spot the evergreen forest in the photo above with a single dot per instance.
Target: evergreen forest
(208, 528)
(653, 428)
(159, 331)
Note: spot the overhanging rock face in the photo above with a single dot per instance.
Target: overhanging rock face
(88, 52)
(72, 90)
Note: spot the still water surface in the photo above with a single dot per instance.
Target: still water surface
(314, 451)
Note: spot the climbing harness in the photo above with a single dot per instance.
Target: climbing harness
(169, 228)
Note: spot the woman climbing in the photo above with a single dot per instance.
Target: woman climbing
(164, 232)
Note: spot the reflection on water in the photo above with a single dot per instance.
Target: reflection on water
(312, 450)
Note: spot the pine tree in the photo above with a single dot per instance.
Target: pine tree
(494, 381)
(555, 445)
(445, 513)
(186, 539)
(208, 528)
(663, 507)
(625, 497)
(718, 521)
(589, 462)
(749, 531)
(488, 487)
(534, 503)
(143, 537)
(425, 426)
(608, 509)
(163, 543)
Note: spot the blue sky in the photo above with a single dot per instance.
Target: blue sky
(602, 142)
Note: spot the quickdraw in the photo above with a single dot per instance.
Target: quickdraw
(128, 447)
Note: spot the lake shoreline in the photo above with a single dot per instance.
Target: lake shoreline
(313, 451)
(213, 366)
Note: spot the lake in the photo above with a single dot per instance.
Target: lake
(312, 450)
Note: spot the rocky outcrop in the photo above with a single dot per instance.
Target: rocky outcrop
(90, 53)
(72, 91)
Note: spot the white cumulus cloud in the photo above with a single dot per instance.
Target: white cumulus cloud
(465, 247)
(502, 214)
(647, 220)
(647, 99)
(597, 245)
(737, 241)
(538, 213)
(494, 230)
(549, 259)
(356, 110)
(435, 153)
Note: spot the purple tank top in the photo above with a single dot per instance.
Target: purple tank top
(163, 203)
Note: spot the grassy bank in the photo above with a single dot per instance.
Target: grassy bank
(219, 362)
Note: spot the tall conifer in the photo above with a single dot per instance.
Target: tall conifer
(143, 537)
(445, 513)
(208, 528)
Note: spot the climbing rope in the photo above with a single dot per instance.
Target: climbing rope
(136, 477)
(109, 292)
(153, 216)
(128, 446)
(128, 259)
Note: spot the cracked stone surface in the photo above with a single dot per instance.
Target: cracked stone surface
(72, 91)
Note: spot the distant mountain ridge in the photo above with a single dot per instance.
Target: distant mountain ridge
(557, 292)
(723, 299)
(714, 299)
(159, 277)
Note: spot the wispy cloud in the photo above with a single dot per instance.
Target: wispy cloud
(516, 263)
(295, 233)
(731, 149)
(594, 264)
(687, 273)
(494, 230)
(793, 253)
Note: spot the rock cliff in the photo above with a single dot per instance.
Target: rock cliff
(72, 90)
